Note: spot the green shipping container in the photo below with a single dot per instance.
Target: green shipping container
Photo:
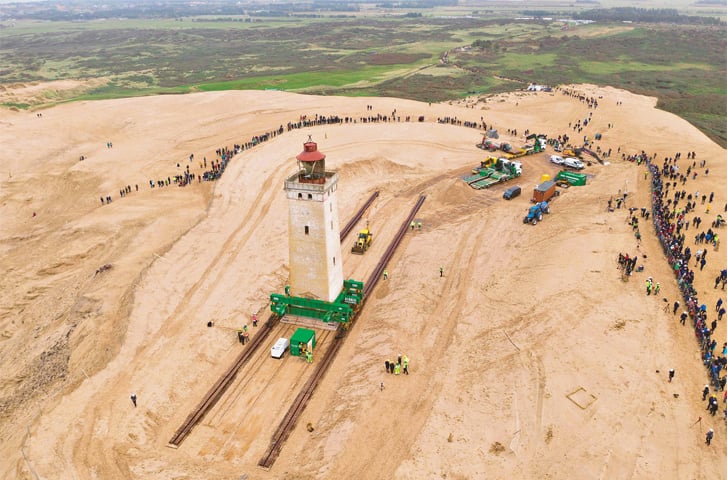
(575, 179)
(302, 336)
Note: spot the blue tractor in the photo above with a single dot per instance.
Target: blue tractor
(535, 213)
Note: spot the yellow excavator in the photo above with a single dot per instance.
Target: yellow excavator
(572, 152)
(363, 242)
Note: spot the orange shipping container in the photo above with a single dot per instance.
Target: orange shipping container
(544, 191)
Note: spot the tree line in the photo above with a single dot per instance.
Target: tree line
(644, 15)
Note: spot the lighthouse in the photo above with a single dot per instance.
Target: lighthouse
(316, 264)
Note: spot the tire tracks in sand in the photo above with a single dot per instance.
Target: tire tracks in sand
(86, 450)
(403, 436)
(229, 250)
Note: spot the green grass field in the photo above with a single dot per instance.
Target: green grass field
(684, 66)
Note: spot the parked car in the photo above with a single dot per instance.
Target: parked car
(281, 345)
(557, 159)
(512, 192)
(573, 163)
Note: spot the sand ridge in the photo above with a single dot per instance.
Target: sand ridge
(530, 354)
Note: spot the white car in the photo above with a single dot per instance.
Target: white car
(573, 163)
(557, 159)
(281, 345)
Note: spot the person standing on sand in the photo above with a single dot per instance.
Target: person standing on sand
(710, 435)
(705, 392)
(133, 399)
(671, 375)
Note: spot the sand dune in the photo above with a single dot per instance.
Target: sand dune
(530, 357)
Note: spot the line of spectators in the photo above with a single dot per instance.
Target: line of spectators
(669, 219)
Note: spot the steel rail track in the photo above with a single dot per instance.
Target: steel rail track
(352, 223)
(289, 420)
(219, 388)
(224, 382)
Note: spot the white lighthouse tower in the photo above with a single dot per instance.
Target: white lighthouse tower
(316, 265)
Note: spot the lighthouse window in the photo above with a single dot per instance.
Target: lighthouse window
(331, 205)
(334, 260)
(306, 229)
(331, 224)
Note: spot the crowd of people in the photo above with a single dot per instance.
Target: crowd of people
(670, 205)
(401, 366)
(591, 102)
(217, 167)
(463, 123)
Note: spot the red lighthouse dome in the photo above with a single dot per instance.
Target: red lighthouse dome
(311, 163)
(310, 152)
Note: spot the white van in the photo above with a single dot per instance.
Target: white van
(281, 345)
(573, 163)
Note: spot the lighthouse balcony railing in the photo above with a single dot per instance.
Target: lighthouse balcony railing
(296, 182)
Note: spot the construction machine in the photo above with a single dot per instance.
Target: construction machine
(570, 151)
(489, 162)
(535, 213)
(488, 144)
(539, 144)
(363, 242)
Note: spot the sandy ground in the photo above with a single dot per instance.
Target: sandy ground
(530, 357)
(44, 93)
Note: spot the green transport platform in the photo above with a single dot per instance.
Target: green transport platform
(340, 310)
(493, 171)
(573, 178)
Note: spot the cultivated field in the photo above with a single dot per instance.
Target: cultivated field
(425, 57)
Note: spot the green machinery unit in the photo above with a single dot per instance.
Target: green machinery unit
(341, 310)
(304, 338)
(573, 178)
(540, 140)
